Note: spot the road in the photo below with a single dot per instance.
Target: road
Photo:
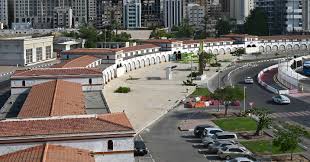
(297, 111)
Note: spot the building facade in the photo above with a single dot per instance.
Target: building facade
(62, 17)
(132, 14)
(109, 12)
(173, 13)
(151, 13)
(240, 9)
(4, 12)
(195, 16)
(26, 51)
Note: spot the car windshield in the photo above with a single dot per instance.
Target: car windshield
(224, 148)
(139, 144)
(217, 144)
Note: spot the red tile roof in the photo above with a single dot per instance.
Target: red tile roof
(54, 98)
(218, 40)
(158, 41)
(139, 47)
(49, 153)
(54, 72)
(233, 35)
(91, 51)
(82, 61)
(64, 126)
(284, 37)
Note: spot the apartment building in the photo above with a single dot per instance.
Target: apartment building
(108, 12)
(4, 12)
(132, 14)
(173, 13)
(195, 16)
(151, 13)
(62, 17)
(240, 9)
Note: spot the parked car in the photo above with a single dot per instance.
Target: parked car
(214, 147)
(140, 149)
(248, 80)
(218, 137)
(209, 132)
(281, 99)
(240, 159)
(233, 151)
(199, 129)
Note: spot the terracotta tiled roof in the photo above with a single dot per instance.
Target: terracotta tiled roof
(233, 35)
(139, 47)
(54, 98)
(218, 39)
(49, 153)
(48, 72)
(91, 51)
(158, 41)
(284, 37)
(82, 61)
(64, 126)
(191, 41)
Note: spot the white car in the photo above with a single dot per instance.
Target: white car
(281, 99)
(233, 151)
(248, 80)
(209, 132)
(240, 159)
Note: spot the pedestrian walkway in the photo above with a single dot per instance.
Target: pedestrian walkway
(290, 114)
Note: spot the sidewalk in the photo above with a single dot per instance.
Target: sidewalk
(151, 94)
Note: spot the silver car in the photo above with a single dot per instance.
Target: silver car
(233, 151)
(248, 80)
(281, 99)
(220, 136)
(240, 159)
(214, 147)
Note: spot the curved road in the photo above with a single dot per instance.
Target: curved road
(262, 98)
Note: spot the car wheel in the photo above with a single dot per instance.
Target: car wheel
(227, 157)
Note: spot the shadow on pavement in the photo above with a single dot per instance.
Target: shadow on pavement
(198, 146)
(4, 97)
(17, 105)
(194, 140)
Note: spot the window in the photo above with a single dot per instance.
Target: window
(28, 56)
(23, 83)
(108, 57)
(90, 81)
(110, 145)
(48, 50)
(39, 54)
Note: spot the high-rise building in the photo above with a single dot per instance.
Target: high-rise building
(150, 13)
(240, 9)
(172, 13)
(225, 4)
(40, 12)
(285, 16)
(132, 14)
(108, 12)
(4, 12)
(306, 15)
(92, 11)
(62, 17)
(195, 15)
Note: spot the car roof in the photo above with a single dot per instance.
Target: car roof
(235, 146)
(248, 77)
(139, 143)
(213, 128)
(243, 159)
(225, 142)
(225, 133)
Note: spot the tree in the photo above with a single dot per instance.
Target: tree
(203, 58)
(287, 139)
(223, 27)
(256, 23)
(184, 30)
(264, 120)
(90, 34)
(239, 52)
(158, 33)
(228, 94)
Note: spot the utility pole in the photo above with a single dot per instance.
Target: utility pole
(244, 98)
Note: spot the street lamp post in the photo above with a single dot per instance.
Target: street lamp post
(244, 88)
(191, 66)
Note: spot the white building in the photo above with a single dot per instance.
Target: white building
(195, 15)
(89, 78)
(4, 12)
(132, 14)
(62, 17)
(173, 13)
(293, 17)
(240, 9)
(108, 137)
(26, 50)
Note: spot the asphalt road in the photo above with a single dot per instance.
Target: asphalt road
(167, 144)
(262, 98)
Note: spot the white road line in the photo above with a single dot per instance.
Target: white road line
(299, 113)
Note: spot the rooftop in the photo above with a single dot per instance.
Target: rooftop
(284, 37)
(54, 72)
(156, 41)
(64, 126)
(91, 51)
(54, 98)
(49, 153)
(139, 47)
(82, 61)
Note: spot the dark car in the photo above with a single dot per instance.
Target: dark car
(140, 149)
(200, 128)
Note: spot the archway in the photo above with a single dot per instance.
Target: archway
(289, 47)
(303, 47)
(133, 65)
(126, 68)
(129, 67)
(153, 61)
(148, 61)
(233, 49)
(138, 64)
(274, 48)
(158, 59)
(261, 49)
(228, 50)
(222, 51)
(268, 48)
(296, 47)
(215, 51)
(282, 48)
(163, 58)
(142, 63)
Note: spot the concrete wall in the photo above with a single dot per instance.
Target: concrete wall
(95, 145)
(11, 52)
(18, 88)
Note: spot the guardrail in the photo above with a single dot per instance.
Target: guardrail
(268, 87)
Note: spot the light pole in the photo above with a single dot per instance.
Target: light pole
(219, 86)
(244, 88)
(191, 66)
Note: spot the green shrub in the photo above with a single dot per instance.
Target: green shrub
(122, 90)
(216, 64)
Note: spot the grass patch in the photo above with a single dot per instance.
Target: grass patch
(122, 90)
(265, 147)
(236, 124)
(201, 92)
